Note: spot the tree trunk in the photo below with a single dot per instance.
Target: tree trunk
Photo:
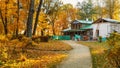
(3, 21)
(5, 27)
(17, 29)
(53, 29)
(42, 32)
(37, 16)
(30, 19)
(6, 22)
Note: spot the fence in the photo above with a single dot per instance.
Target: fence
(66, 37)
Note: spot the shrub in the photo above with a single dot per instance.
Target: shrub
(3, 55)
(40, 39)
(100, 39)
(44, 38)
(113, 53)
(3, 39)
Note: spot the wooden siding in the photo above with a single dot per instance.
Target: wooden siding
(76, 26)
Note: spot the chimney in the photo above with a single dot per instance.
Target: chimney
(92, 19)
(86, 19)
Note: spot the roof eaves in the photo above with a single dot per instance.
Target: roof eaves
(106, 20)
(87, 27)
(85, 22)
(111, 20)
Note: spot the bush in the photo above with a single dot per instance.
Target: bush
(114, 54)
(3, 39)
(3, 55)
(40, 39)
(44, 38)
(100, 39)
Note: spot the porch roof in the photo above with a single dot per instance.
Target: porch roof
(87, 27)
(72, 30)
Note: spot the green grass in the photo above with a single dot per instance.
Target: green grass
(98, 52)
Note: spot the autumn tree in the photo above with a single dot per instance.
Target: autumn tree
(86, 10)
(37, 16)
(4, 18)
(66, 14)
(43, 24)
(99, 8)
(107, 9)
(13, 15)
(112, 8)
(18, 12)
(51, 8)
(1, 19)
(7, 12)
(69, 10)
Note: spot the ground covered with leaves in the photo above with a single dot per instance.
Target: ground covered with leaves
(97, 52)
(21, 54)
(100, 54)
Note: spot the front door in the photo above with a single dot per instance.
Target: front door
(97, 33)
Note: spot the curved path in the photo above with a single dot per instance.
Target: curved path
(79, 57)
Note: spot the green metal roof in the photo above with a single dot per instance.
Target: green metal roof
(81, 29)
(66, 30)
(87, 27)
(85, 21)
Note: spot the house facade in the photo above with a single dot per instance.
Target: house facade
(82, 28)
(103, 27)
(89, 30)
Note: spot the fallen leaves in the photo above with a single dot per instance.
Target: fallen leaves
(98, 52)
(41, 62)
(47, 55)
(54, 46)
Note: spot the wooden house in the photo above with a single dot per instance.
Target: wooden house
(79, 27)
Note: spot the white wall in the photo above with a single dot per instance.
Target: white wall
(115, 27)
(104, 29)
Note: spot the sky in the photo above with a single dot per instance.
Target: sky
(73, 2)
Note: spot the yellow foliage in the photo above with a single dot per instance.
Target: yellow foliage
(114, 54)
(40, 62)
(43, 23)
(3, 38)
(22, 58)
(3, 54)
(32, 58)
(54, 46)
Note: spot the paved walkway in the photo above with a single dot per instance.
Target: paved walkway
(79, 57)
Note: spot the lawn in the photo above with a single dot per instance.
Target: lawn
(98, 52)
(14, 54)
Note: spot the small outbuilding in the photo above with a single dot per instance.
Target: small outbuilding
(104, 26)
